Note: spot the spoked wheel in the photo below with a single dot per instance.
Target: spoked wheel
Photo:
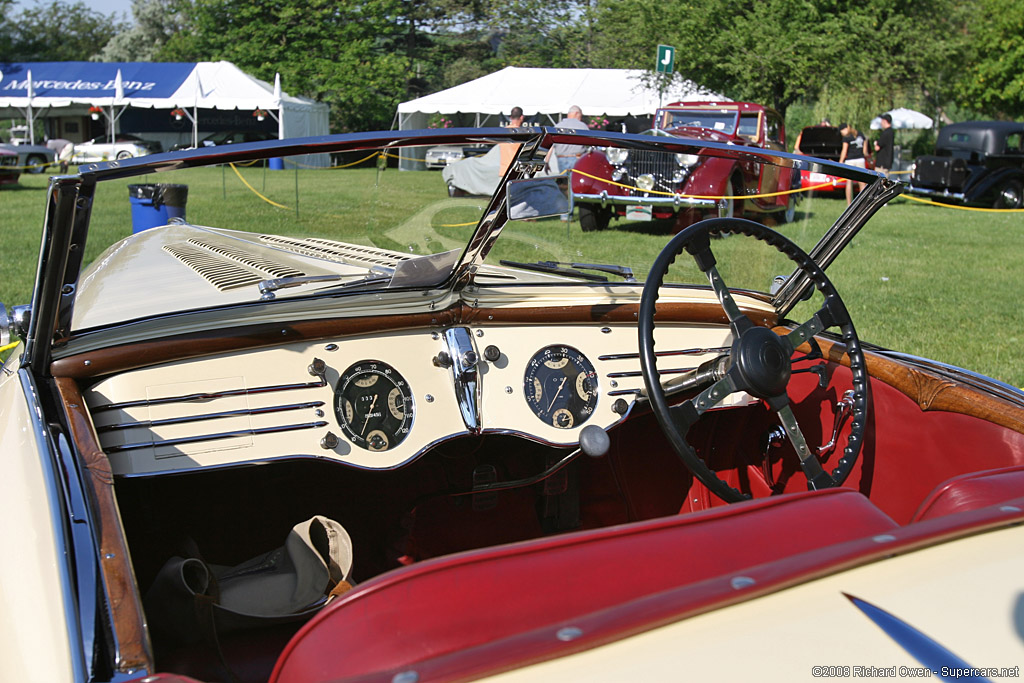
(759, 362)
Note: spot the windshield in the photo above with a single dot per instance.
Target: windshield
(384, 219)
(723, 121)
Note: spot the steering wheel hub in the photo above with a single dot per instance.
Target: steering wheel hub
(762, 361)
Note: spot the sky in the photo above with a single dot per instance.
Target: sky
(107, 7)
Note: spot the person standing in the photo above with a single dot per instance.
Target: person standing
(567, 155)
(885, 146)
(509, 150)
(855, 149)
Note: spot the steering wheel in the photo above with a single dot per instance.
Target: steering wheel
(759, 361)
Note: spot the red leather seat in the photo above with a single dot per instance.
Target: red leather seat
(451, 603)
(972, 491)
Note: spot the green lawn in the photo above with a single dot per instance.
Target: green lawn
(932, 281)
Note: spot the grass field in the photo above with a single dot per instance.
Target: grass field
(932, 281)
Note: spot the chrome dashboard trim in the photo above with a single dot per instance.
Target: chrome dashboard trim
(465, 375)
(209, 416)
(214, 437)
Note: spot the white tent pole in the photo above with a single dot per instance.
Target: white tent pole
(31, 117)
(279, 105)
(195, 112)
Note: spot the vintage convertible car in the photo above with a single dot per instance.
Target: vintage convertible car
(612, 183)
(975, 162)
(400, 437)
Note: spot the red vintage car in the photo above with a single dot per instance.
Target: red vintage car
(687, 187)
(9, 168)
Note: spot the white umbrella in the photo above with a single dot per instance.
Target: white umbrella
(904, 118)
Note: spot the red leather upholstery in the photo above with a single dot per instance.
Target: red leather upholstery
(972, 491)
(460, 601)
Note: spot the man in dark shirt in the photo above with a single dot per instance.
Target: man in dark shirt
(885, 146)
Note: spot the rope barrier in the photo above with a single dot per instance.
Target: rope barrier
(705, 196)
(957, 206)
(8, 347)
(253, 189)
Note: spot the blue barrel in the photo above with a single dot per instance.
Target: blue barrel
(276, 164)
(155, 204)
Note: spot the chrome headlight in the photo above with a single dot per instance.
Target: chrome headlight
(645, 182)
(617, 155)
(687, 159)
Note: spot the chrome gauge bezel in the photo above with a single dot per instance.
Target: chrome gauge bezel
(561, 386)
(374, 406)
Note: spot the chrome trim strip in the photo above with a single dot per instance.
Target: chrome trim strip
(674, 201)
(209, 416)
(186, 398)
(214, 437)
(660, 354)
(941, 194)
(638, 373)
(625, 392)
(464, 373)
(76, 628)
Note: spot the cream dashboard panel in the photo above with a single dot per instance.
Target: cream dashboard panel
(266, 404)
(519, 398)
(281, 402)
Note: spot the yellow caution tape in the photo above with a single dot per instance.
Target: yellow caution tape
(705, 196)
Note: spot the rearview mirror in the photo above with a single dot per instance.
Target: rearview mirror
(539, 197)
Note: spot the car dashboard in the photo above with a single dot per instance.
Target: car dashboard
(380, 400)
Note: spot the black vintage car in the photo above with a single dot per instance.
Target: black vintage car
(975, 162)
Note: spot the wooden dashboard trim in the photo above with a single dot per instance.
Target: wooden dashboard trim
(929, 390)
(116, 359)
(125, 605)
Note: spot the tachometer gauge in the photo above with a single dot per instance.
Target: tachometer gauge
(561, 386)
(373, 404)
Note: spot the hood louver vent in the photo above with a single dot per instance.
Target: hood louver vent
(337, 251)
(227, 267)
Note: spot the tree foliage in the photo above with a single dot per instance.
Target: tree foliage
(55, 32)
(156, 21)
(993, 77)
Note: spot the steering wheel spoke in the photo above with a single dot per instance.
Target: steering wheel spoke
(759, 362)
(737, 321)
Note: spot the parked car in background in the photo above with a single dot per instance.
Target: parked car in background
(125, 146)
(975, 162)
(445, 155)
(473, 175)
(413, 438)
(32, 158)
(10, 168)
(823, 142)
(686, 187)
(229, 137)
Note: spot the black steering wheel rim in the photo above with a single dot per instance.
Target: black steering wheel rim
(759, 361)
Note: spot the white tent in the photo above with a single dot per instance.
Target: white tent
(546, 95)
(550, 93)
(73, 87)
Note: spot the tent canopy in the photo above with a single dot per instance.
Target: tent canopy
(75, 86)
(608, 92)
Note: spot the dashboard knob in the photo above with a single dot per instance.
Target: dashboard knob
(492, 353)
(469, 359)
(443, 360)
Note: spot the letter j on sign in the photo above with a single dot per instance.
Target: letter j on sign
(666, 58)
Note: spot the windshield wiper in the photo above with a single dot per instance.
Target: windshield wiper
(376, 275)
(572, 269)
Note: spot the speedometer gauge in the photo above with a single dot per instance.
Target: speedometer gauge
(373, 404)
(561, 386)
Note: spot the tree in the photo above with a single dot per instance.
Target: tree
(155, 22)
(59, 32)
(332, 51)
(993, 78)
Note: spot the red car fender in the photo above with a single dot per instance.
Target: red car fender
(593, 164)
(709, 178)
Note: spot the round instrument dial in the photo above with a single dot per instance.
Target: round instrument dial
(373, 404)
(561, 386)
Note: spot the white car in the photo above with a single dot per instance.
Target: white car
(126, 146)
